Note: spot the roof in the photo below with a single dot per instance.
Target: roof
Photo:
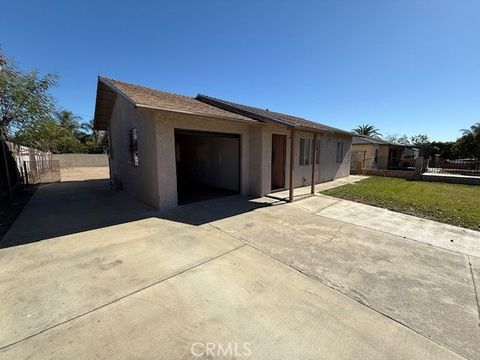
(267, 115)
(367, 140)
(142, 96)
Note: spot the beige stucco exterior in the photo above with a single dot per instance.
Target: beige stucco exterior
(140, 181)
(365, 153)
(154, 180)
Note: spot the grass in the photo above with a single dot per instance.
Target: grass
(449, 203)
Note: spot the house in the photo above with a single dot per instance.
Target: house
(378, 154)
(167, 149)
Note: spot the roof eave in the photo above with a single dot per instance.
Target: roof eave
(104, 102)
(116, 89)
(231, 118)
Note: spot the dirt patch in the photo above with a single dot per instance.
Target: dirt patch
(84, 173)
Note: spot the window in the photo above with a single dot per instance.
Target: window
(305, 151)
(317, 159)
(339, 152)
(133, 146)
(375, 159)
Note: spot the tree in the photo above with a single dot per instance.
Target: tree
(47, 135)
(420, 140)
(368, 130)
(68, 121)
(29, 117)
(446, 149)
(60, 134)
(474, 130)
(3, 60)
(468, 145)
(24, 96)
(92, 138)
(395, 138)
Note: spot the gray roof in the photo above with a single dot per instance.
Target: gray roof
(267, 115)
(366, 140)
(141, 96)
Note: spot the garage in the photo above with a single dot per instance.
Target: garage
(207, 165)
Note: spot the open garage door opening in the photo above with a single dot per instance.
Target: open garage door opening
(208, 165)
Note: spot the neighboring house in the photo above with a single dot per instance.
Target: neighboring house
(374, 153)
(168, 149)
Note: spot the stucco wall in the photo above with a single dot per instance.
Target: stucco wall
(266, 155)
(383, 157)
(369, 151)
(167, 122)
(140, 181)
(81, 160)
(256, 160)
(327, 170)
(154, 180)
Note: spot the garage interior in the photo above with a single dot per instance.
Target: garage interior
(208, 165)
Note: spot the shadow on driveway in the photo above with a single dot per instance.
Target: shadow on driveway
(70, 207)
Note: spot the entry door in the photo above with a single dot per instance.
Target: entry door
(279, 150)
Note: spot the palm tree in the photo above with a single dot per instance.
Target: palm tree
(67, 120)
(474, 130)
(89, 128)
(368, 130)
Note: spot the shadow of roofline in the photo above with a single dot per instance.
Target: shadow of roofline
(72, 207)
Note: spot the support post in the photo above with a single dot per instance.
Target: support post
(314, 160)
(292, 148)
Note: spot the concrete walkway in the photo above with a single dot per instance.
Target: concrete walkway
(284, 280)
(448, 237)
(301, 192)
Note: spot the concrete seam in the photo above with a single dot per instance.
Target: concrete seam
(334, 236)
(399, 236)
(337, 290)
(475, 289)
(317, 212)
(120, 298)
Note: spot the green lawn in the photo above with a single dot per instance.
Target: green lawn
(449, 203)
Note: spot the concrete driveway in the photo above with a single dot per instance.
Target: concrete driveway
(268, 279)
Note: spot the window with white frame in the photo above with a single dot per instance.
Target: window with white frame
(133, 146)
(339, 152)
(305, 151)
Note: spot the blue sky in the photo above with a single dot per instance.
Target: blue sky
(405, 66)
